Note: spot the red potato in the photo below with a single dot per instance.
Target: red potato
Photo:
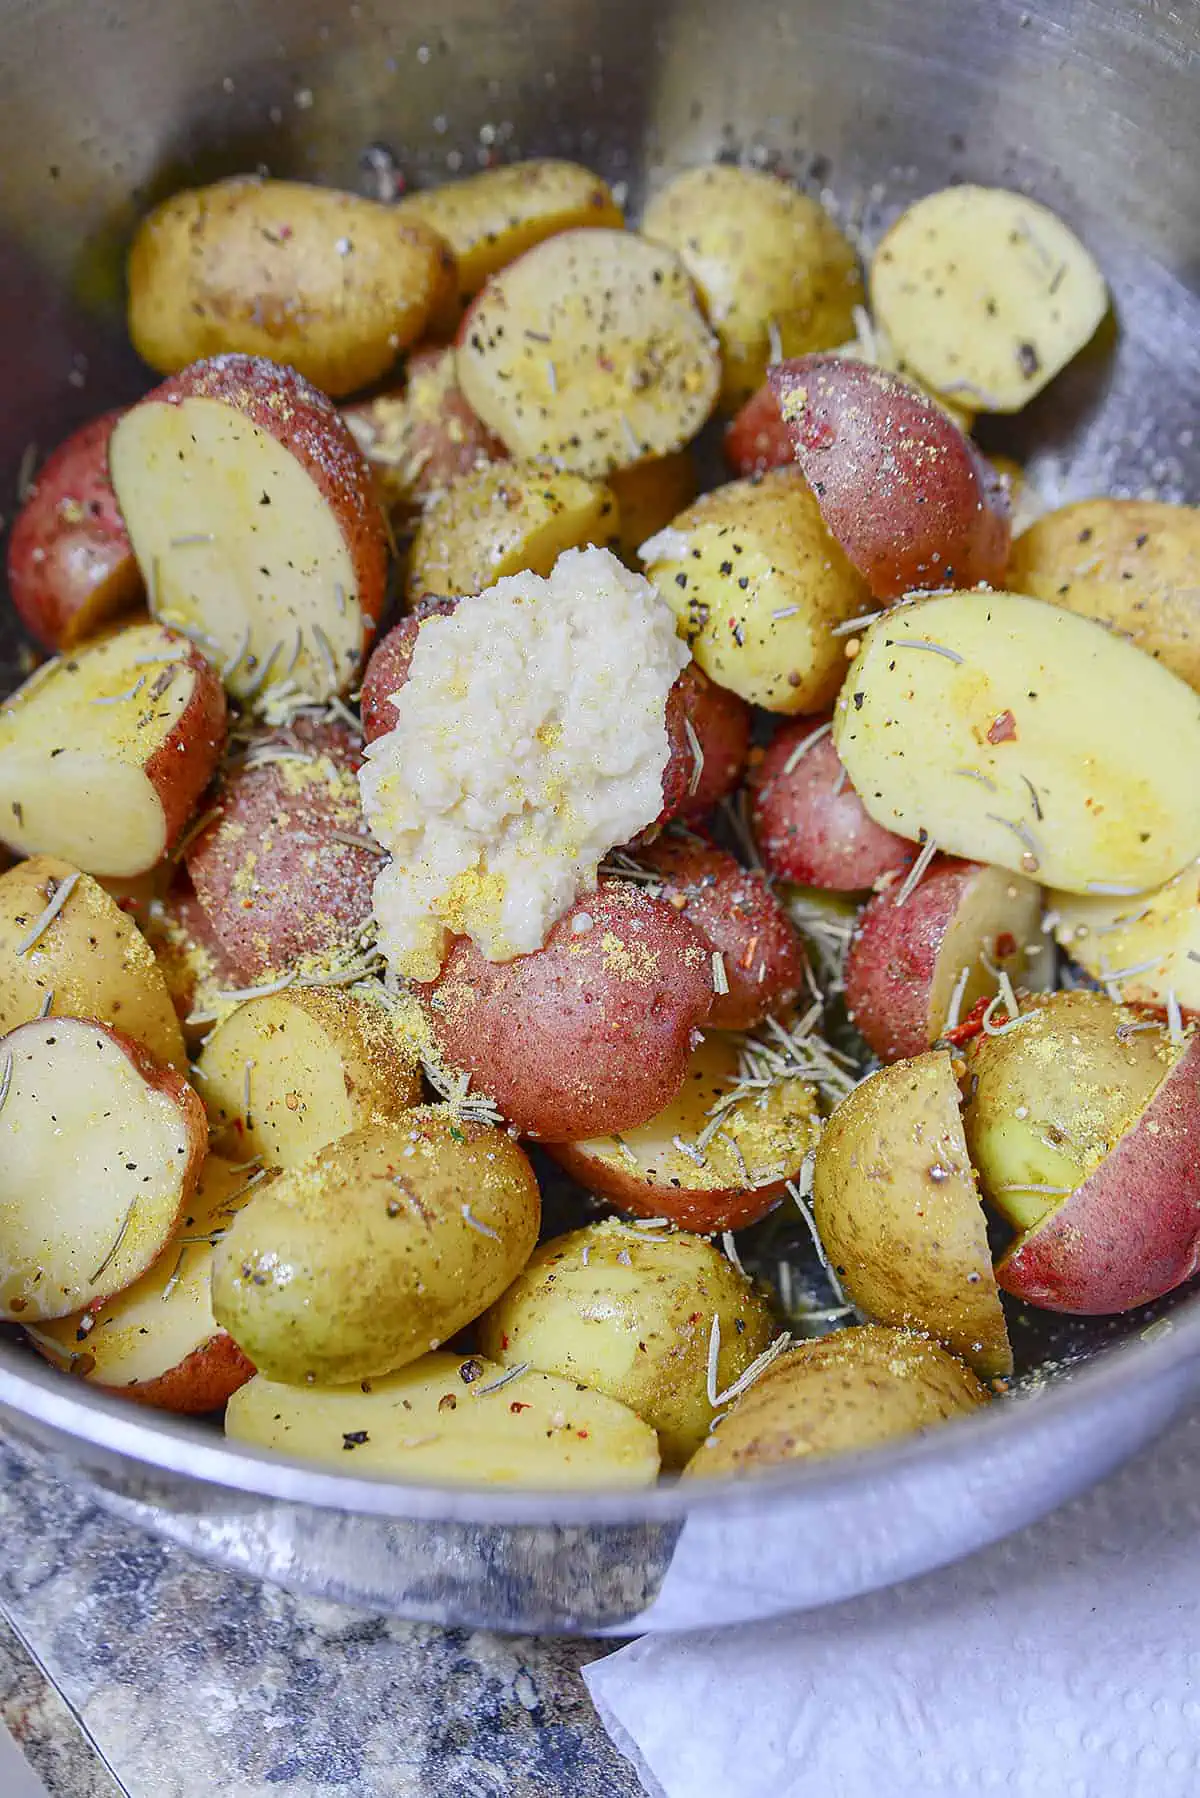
(590, 1034)
(757, 953)
(919, 962)
(157, 1342)
(71, 566)
(419, 436)
(910, 499)
(693, 783)
(190, 957)
(388, 667)
(253, 516)
(105, 753)
(276, 877)
(756, 439)
(100, 1151)
(811, 826)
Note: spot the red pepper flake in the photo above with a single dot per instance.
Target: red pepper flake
(1006, 946)
(582, 1435)
(504, 1340)
(751, 946)
(971, 1026)
(518, 1406)
(1003, 728)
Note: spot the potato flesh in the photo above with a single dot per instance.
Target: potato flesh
(506, 520)
(1001, 742)
(985, 294)
(239, 547)
(431, 1423)
(996, 909)
(92, 1161)
(1147, 947)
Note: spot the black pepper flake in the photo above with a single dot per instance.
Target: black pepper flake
(858, 701)
(471, 1370)
(1027, 360)
(681, 580)
(354, 1438)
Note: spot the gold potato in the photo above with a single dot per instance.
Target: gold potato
(1146, 947)
(649, 495)
(329, 283)
(757, 584)
(288, 1073)
(775, 274)
(453, 1419)
(839, 1393)
(631, 1311)
(377, 1248)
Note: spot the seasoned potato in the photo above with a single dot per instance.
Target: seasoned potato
(286, 1074)
(90, 960)
(376, 1249)
(490, 219)
(1133, 564)
(709, 732)
(592, 1032)
(647, 1344)
(810, 825)
(503, 519)
(453, 1420)
(772, 268)
(157, 1342)
(329, 283)
(1146, 947)
(188, 952)
(910, 499)
(1011, 732)
(753, 1145)
(757, 584)
(590, 350)
(985, 294)
(756, 438)
(871, 344)
(105, 752)
(649, 495)
(895, 1203)
(418, 437)
(842, 1392)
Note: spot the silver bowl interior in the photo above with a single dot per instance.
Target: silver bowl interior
(105, 108)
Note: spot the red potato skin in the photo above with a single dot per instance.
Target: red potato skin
(721, 721)
(893, 957)
(273, 883)
(186, 760)
(590, 1034)
(179, 931)
(757, 439)
(390, 661)
(907, 495)
(202, 1382)
(737, 914)
(428, 422)
(811, 831)
(703, 1213)
(1131, 1231)
(287, 407)
(71, 567)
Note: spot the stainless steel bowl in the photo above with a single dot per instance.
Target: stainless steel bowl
(1091, 106)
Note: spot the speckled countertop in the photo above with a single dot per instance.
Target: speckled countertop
(128, 1668)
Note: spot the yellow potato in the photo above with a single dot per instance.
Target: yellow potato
(773, 270)
(1146, 947)
(448, 1419)
(842, 1392)
(985, 294)
(1012, 732)
(330, 283)
(757, 584)
(895, 1204)
(649, 495)
(506, 518)
(491, 218)
(377, 1248)
(1132, 564)
(630, 1312)
(91, 959)
(286, 1074)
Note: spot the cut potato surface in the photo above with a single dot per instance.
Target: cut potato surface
(505, 519)
(104, 753)
(100, 1150)
(634, 1313)
(288, 1073)
(705, 1163)
(89, 960)
(255, 523)
(985, 294)
(157, 1341)
(1146, 948)
(1008, 731)
(591, 351)
(895, 1203)
(448, 1418)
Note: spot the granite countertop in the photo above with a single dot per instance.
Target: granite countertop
(126, 1668)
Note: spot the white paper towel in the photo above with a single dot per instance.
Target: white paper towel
(1063, 1663)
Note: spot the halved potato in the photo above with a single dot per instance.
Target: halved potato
(418, 437)
(1009, 731)
(895, 1203)
(157, 1342)
(104, 753)
(452, 1419)
(986, 294)
(504, 519)
(286, 1074)
(1146, 947)
(659, 1169)
(810, 825)
(100, 1151)
(90, 960)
